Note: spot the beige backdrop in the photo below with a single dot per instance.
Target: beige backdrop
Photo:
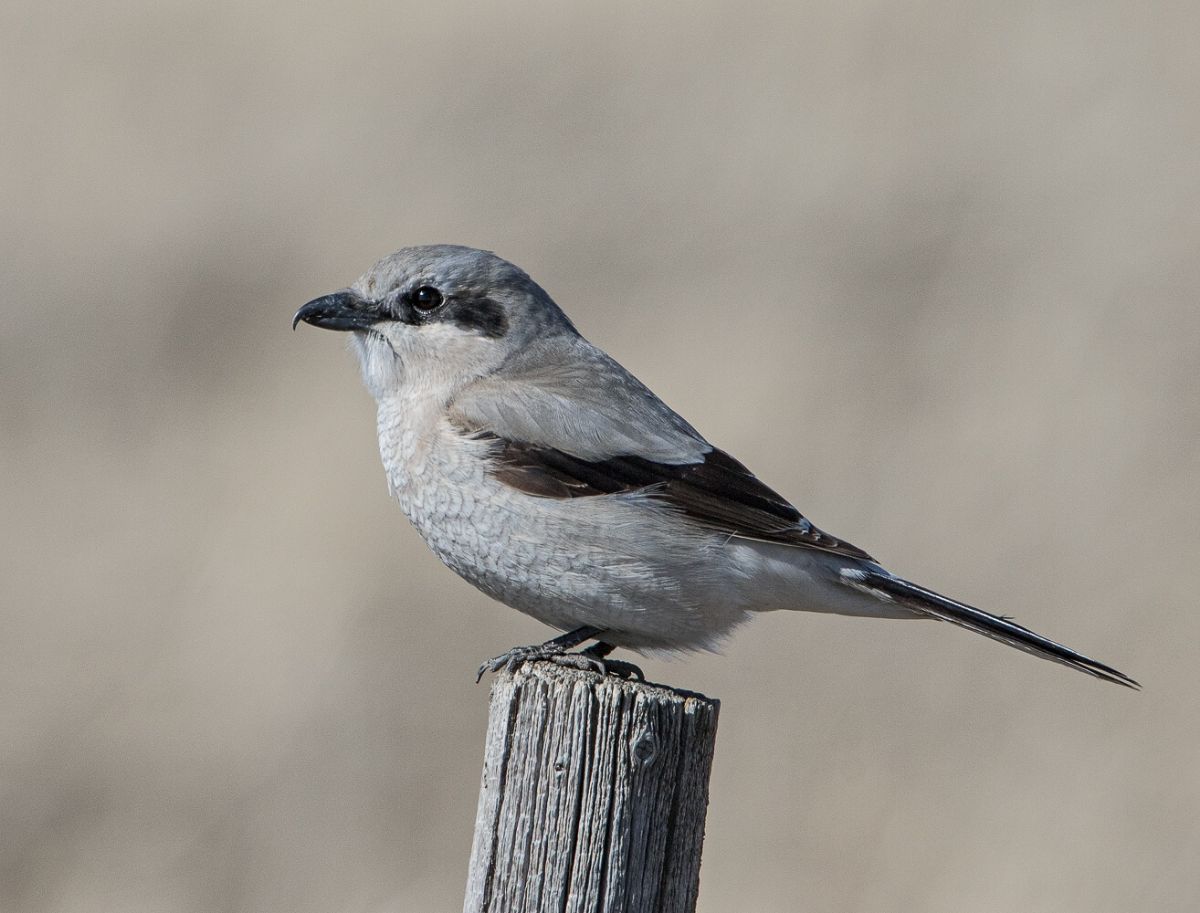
(930, 269)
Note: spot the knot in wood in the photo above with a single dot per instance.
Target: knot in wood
(644, 748)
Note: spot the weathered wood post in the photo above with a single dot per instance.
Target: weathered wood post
(593, 797)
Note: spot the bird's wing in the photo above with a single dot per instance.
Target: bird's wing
(588, 428)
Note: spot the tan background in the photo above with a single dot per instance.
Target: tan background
(930, 269)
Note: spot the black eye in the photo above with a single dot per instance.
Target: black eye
(426, 298)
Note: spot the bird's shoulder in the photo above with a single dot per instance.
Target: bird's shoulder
(565, 394)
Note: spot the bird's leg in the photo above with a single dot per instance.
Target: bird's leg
(599, 650)
(551, 650)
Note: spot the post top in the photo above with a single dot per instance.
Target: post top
(553, 674)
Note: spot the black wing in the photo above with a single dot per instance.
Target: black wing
(719, 492)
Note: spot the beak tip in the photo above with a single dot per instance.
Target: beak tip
(344, 310)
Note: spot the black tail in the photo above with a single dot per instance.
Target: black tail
(934, 605)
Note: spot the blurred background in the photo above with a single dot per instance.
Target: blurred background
(930, 269)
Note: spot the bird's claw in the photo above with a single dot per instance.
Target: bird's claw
(511, 659)
(621, 669)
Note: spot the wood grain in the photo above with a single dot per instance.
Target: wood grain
(593, 796)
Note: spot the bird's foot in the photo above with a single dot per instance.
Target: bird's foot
(617, 667)
(556, 651)
(582, 661)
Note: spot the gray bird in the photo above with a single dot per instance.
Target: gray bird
(548, 476)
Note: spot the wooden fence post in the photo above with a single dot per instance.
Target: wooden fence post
(593, 797)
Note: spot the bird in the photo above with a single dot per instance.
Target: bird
(544, 473)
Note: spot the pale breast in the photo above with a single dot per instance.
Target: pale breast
(439, 479)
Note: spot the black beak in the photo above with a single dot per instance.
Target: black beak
(344, 310)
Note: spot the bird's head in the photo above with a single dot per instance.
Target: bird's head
(439, 316)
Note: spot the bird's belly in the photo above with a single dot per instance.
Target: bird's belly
(617, 562)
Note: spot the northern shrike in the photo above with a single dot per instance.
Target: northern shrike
(547, 475)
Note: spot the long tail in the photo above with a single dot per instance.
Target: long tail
(934, 605)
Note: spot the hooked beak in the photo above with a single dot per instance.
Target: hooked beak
(344, 310)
